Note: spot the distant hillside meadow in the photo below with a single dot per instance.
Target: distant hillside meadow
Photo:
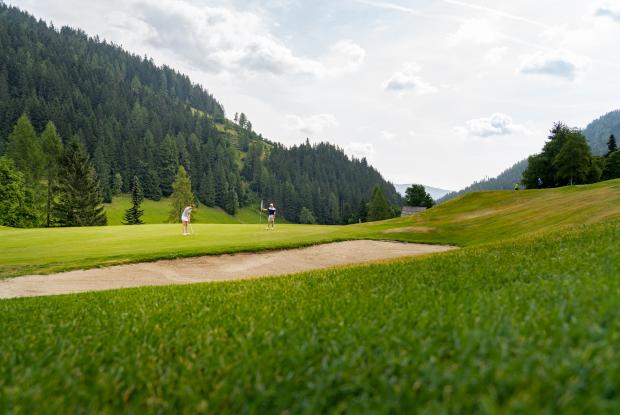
(137, 119)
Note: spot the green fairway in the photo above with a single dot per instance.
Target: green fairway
(50, 250)
(524, 326)
(474, 219)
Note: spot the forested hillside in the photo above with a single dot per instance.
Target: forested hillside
(599, 130)
(137, 119)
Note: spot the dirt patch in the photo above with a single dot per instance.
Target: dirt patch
(411, 229)
(212, 268)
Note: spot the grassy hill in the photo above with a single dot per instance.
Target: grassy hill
(158, 211)
(482, 217)
(524, 319)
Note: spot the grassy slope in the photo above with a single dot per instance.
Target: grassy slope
(484, 217)
(524, 326)
(157, 212)
(473, 219)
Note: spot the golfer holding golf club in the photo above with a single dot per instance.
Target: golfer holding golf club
(271, 216)
(186, 219)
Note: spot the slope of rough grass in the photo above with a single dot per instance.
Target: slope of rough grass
(526, 326)
(483, 217)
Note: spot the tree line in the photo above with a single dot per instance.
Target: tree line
(566, 159)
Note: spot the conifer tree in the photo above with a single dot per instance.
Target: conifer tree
(168, 164)
(378, 207)
(182, 195)
(51, 144)
(611, 145)
(134, 214)
(79, 202)
(416, 195)
(117, 184)
(25, 150)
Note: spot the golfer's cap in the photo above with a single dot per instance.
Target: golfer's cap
(271, 204)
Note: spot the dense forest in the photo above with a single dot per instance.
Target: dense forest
(599, 130)
(134, 118)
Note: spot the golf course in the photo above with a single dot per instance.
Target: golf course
(521, 318)
(297, 207)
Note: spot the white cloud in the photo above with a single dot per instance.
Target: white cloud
(387, 135)
(345, 56)
(609, 10)
(407, 80)
(217, 39)
(360, 150)
(313, 124)
(497, 124)
(475, 31)
(496, 55)
(559, 64)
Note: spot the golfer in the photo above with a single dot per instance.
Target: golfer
(271, 216)
(186, 219)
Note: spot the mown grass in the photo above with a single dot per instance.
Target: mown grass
(525, 326)
(26, 251)
(474, 219)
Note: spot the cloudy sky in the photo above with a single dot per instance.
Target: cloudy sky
(439, 92)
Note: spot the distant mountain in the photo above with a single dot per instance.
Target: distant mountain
(597, 133)
(599, 130)
(435, 192)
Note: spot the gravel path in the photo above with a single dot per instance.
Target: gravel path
(212, 268)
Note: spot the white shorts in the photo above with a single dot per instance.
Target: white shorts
(271, 218)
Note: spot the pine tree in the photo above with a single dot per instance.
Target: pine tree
(416, 195)
(25, 150)
(378, 208)
(117, 184)
(182, 195)
(79, 202)
(168, 164)
(134, 214)
(306, 216)
(611, 145)
(51, 144)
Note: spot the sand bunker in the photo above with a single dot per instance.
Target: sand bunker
(212, 268)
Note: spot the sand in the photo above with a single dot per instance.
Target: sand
(212, 268)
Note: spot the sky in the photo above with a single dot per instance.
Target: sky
(440, 92)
